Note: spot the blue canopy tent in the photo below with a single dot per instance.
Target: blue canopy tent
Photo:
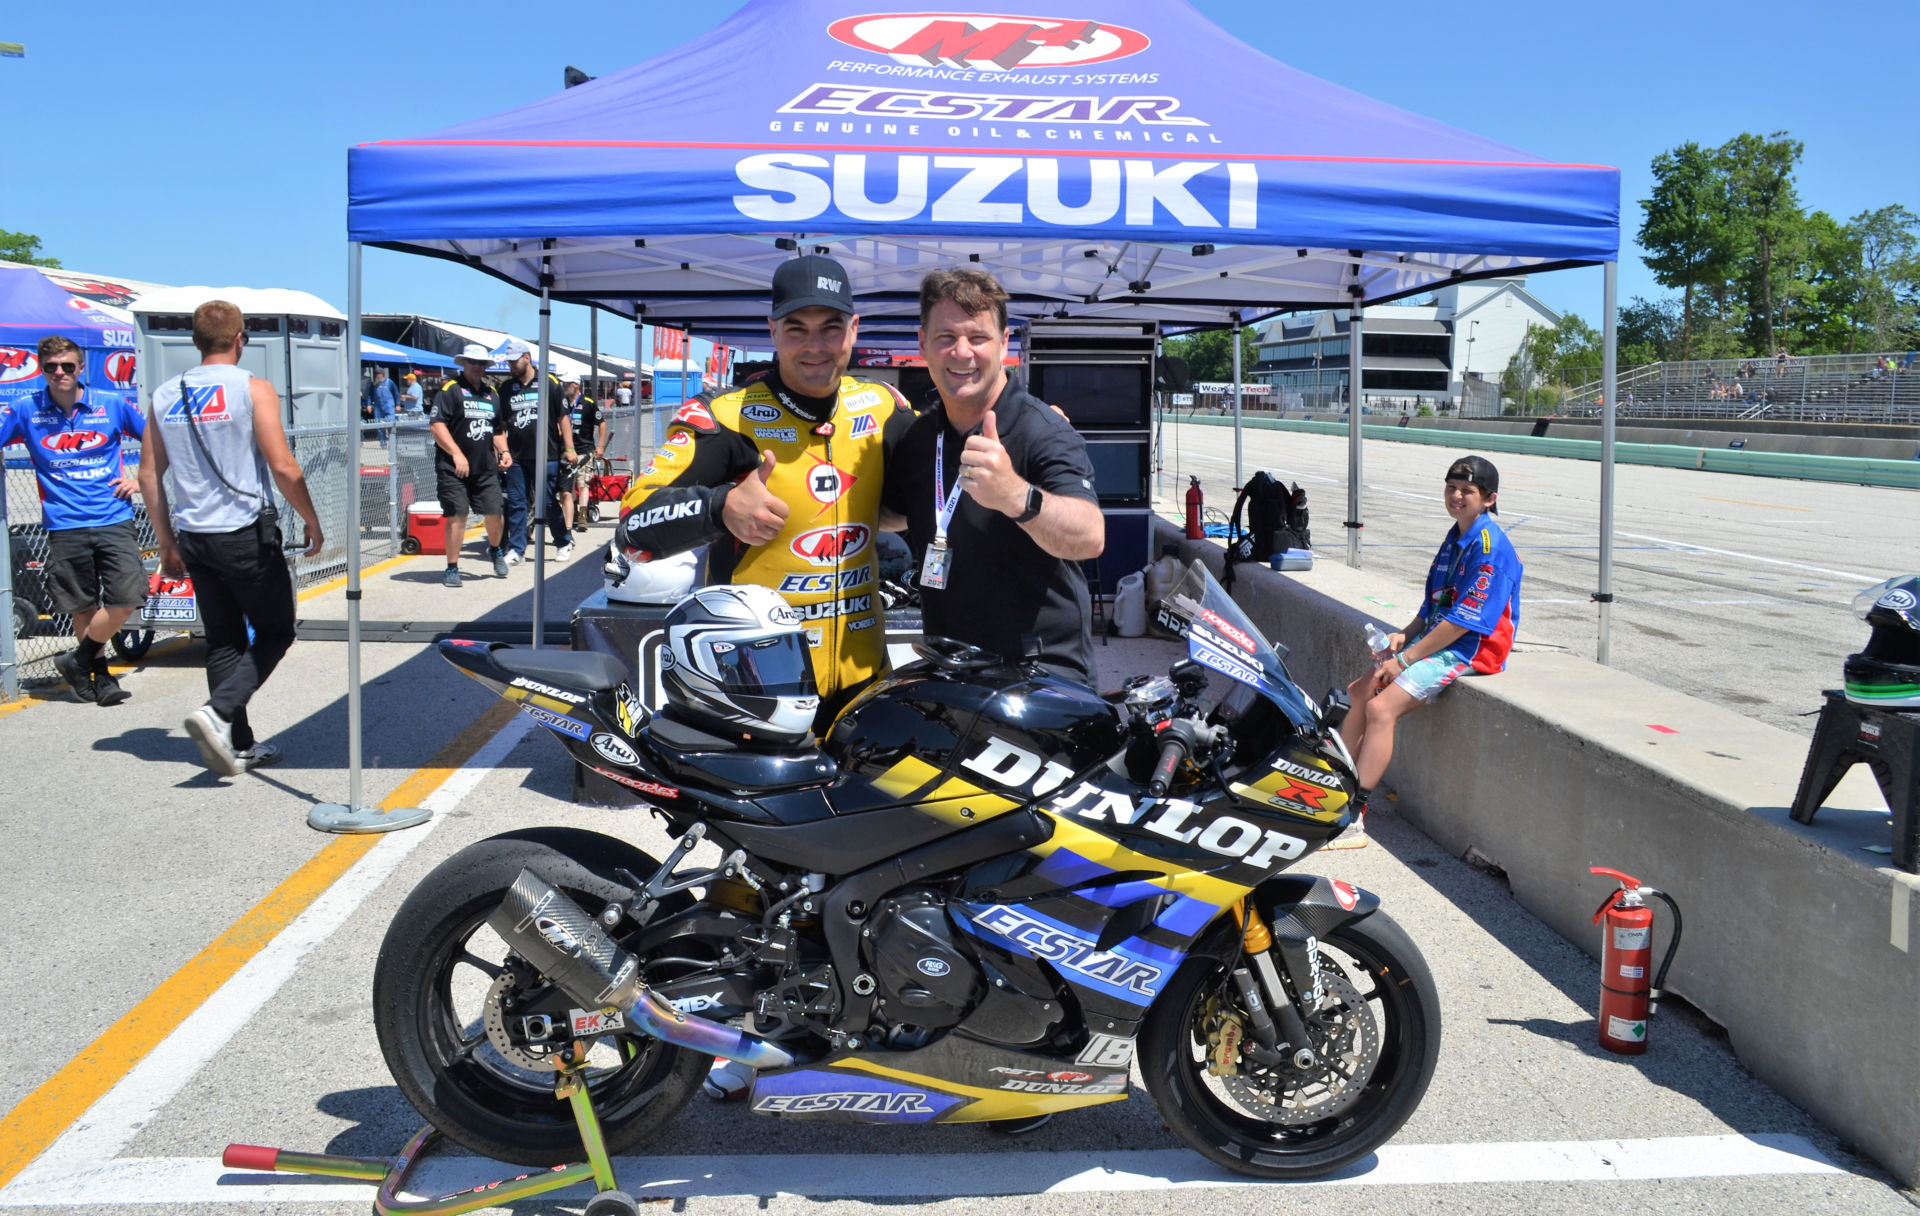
(1129, 165)
(32, 307)
(372, 350)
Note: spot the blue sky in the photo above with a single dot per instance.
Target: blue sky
(202, 151)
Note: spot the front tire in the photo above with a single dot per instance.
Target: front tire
(430, 995)
(1385, 972)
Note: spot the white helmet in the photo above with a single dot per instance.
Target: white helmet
(665, 581)
(736, 661)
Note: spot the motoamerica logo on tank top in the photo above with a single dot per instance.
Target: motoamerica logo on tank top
(219, 400)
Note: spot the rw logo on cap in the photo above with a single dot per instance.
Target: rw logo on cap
(826, 284)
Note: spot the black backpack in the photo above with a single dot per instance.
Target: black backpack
(1276, 520)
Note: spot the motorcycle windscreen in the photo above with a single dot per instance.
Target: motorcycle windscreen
(780, 666)
(1220, 636)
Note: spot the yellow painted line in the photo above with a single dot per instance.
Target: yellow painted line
(44, 1115)
(58, 692)
(337, 583)
(1771, 506)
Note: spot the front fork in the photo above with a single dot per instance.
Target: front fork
(1279, 1029)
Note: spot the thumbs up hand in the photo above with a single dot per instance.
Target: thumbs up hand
(987, 474)
(751, 511)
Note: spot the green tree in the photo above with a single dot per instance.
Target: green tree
(1759, 174)
(1889, 275)
(1820, 283)
(23, 247)
(1688, 231)
(1209, 353)
(1649, 331)
(1549, 358)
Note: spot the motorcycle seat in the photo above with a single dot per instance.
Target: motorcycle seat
(581, 670)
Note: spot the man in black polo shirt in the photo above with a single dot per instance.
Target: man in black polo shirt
(470, 438)
(998, 555)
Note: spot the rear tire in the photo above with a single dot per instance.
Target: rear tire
(437, 961)
(132, 645)
(1392, 979)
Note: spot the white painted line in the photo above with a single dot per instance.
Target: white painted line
(183, 1180)
(1902, 899)
(110, 1124)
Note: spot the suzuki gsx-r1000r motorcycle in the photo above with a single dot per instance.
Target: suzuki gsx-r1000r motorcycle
(986, 894)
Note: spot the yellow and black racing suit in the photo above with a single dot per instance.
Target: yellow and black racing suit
(829, 457)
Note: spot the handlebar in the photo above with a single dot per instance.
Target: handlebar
(1182, 739)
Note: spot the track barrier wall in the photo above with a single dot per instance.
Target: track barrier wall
(1857, 470)
(1797, 939)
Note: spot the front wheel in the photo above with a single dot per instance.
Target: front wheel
(132, 645)
(440, 992)
(1376, 1032)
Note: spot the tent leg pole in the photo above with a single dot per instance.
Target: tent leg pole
(352, 467)
(1239, 474)
(1609, 351)
(1354, 435)
(538, 482)
(351, 816)
(639, 442)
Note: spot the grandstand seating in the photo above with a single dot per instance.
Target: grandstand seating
(1815, 388)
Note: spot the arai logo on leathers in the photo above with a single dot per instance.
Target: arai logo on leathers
(988, 42)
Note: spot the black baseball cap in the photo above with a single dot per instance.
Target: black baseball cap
(1475, 471)
(812, 281)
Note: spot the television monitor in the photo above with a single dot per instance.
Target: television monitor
(1120, 470)
(1097, 396)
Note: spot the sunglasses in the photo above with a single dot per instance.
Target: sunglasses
(61, 367)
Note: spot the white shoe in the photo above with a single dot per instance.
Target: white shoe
(260, 755)
(515, 557)
(563, 553)
(213, 734)
(727, 1081)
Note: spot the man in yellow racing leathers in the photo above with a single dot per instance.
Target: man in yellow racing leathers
(781, 480)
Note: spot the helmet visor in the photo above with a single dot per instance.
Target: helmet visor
(780, 666)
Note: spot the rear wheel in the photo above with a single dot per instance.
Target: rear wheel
(24, 618)
(1376, 1032)
(132, 645)
(438, 993)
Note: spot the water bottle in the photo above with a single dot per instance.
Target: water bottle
(1377, 641)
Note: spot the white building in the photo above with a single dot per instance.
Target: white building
(1445, 351)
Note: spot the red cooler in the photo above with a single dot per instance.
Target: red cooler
(426, 529)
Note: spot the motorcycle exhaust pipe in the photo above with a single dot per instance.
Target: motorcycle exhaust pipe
(570, 948)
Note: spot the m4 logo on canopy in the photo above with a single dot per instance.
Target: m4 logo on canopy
(120, 368)
(17, 365)
(988, 41)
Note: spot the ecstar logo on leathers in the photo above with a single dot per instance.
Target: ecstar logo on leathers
(988, 42)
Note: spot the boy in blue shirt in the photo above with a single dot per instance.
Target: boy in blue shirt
(93, 552)
(1466, 622)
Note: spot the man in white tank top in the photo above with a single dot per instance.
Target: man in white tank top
(218, 430)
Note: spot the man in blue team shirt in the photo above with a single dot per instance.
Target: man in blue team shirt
(93, 552)
(1466, 623)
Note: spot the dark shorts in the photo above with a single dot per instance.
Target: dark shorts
(477, 493)
(91, 568)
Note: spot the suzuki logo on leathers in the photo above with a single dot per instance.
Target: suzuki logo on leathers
(1177, 819)
(831, 545)
(653, 516)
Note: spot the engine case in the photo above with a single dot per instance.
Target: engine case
(925, 978)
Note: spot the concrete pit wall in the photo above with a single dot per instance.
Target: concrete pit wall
(1796, 941)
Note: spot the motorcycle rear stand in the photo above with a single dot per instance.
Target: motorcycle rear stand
(608, 1199)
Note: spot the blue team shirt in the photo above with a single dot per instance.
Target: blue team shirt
(1475, 583)
(76, 456)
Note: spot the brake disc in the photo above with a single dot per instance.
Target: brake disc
(1347, 1041)
(495, 1019)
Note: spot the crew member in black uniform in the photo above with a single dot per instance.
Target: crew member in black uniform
(590, 443)
(520, 399)
(470, 435)
(995, 491)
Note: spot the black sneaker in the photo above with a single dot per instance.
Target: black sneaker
(106, 688)
(75, 673)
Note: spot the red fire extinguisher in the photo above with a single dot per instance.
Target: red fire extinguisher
(1194, 500)
(1627, 999)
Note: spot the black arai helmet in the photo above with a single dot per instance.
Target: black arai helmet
(1886, 674)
